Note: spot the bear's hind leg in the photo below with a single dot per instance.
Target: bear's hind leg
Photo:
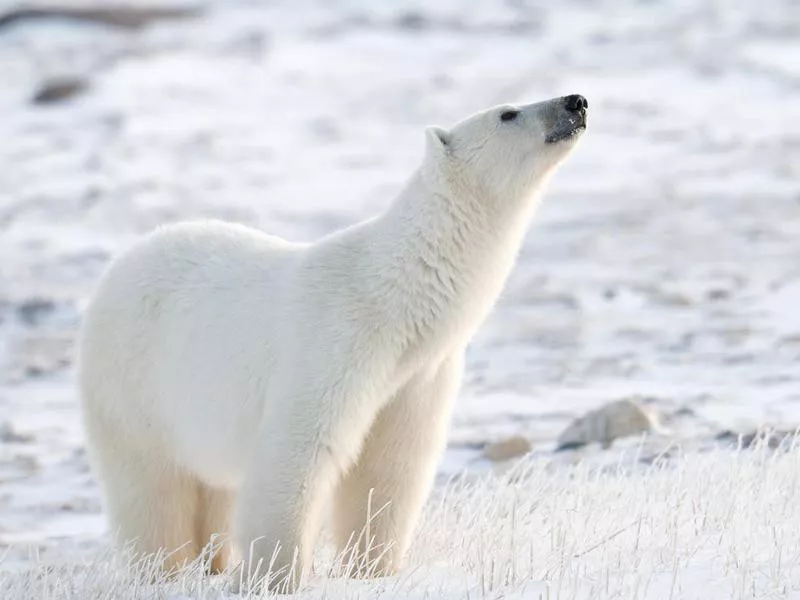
(214, 514)
(378, 502)
(151, 505)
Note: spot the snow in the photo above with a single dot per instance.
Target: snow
(721, 525)
(663, 264)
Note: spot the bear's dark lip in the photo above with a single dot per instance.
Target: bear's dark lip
(565, 134)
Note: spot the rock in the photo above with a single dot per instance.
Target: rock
(412, 20)
(718, 294)
(59, 89)
(29, 464)
(80, 504)
(507, 449)
(9, 435)
(603, 425)
(37, 353)
(34, 310)
(125, 17)
(771, 438)
(38, 368)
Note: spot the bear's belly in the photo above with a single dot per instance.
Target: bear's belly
(210, 421)
(216, 447)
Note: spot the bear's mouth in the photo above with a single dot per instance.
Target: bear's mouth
(566, 133)
(567, 128)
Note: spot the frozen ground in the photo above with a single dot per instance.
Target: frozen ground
(717, 526)
(664, 263)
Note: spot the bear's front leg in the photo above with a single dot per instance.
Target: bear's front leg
(378, 502)
(305, 443)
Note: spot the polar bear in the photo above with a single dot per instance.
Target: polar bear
(236, 383)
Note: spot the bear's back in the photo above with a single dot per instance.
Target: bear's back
(185, 313)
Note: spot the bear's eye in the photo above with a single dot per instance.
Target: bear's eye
(509, 115)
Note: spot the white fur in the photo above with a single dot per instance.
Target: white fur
(227, 371)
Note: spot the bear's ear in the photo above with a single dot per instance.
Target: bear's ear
(437, 140)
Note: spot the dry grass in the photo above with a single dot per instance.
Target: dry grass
(723, 524)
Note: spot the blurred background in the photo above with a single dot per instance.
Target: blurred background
(663, 267)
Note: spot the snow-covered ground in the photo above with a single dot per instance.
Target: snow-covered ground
(664, 263)
(721, 525)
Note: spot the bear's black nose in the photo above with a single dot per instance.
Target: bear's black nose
(576, 103)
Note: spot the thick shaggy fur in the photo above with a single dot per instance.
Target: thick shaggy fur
(233, 382)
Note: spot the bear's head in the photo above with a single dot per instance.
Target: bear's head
(502, 155)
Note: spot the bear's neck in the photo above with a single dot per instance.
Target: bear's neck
(446, 258)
